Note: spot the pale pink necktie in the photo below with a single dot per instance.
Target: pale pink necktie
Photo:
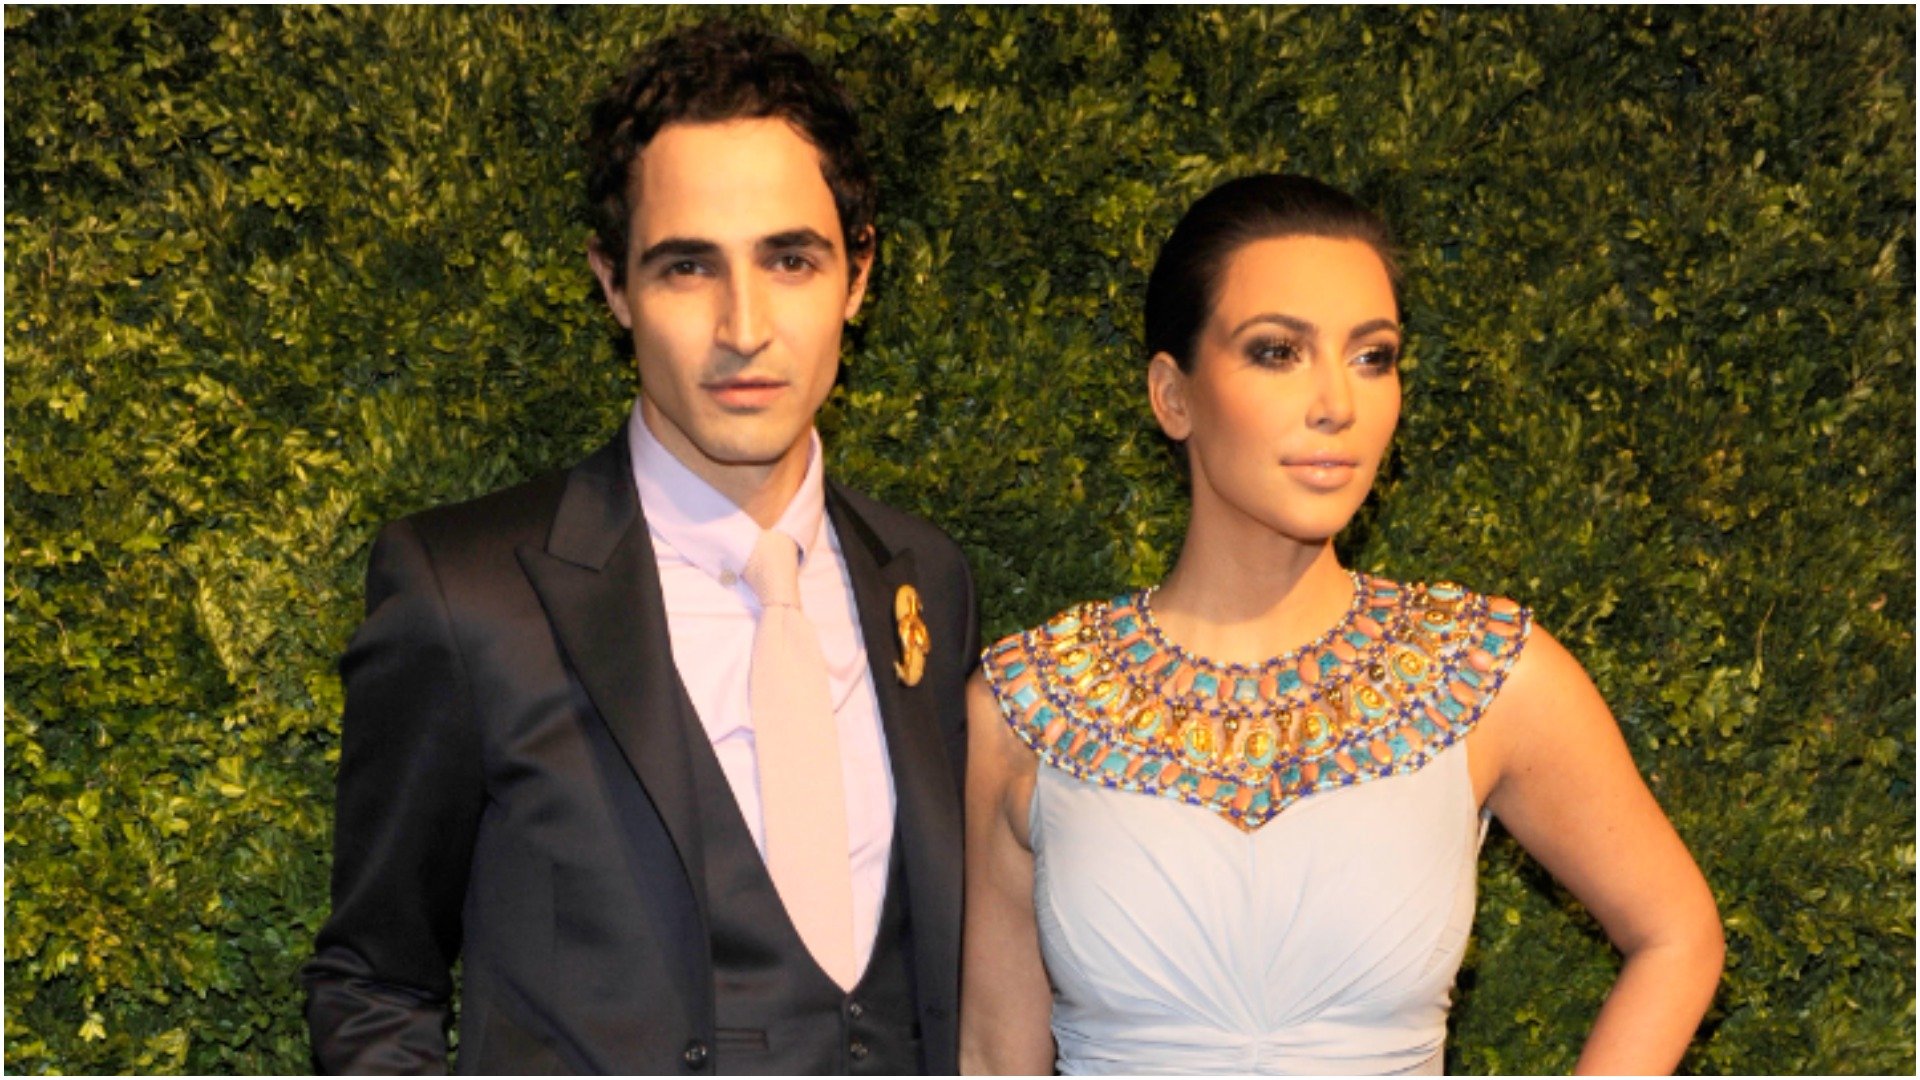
(797, 746)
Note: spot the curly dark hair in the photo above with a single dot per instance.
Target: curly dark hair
(709, 73)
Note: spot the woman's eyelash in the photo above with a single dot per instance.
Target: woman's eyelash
(1276, 352)
(1380, 357)
(1272, 351)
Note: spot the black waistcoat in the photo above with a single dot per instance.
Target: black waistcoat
(775, 1010)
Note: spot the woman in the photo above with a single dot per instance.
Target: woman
(1238, 814)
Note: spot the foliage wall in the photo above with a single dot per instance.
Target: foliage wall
(275, 276)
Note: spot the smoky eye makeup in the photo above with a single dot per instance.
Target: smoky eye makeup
(1378, 359)
(1273, 350)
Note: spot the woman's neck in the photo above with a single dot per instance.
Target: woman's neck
(1244, 595)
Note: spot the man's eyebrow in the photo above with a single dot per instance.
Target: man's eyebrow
(678, 248)
(801, 239)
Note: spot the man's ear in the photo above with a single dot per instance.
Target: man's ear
(1167, 390)
(607, 270)
(862, 266)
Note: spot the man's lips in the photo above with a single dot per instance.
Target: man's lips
(749, 392)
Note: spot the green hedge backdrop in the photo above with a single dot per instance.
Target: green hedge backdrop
(275, 276)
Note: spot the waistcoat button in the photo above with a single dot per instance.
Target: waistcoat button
(856, 1010)
(857, 1050)
(695, 1055)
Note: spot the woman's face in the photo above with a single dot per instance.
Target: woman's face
(1294, 390)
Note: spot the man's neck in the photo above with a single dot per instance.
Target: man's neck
(762, 489)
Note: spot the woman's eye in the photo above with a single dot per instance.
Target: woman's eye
(1272, 352)
(1380, 358)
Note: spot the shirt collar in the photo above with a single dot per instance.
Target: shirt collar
(705, 527)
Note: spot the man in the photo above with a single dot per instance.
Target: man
(666, 750)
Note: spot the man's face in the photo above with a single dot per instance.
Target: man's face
(736, 289)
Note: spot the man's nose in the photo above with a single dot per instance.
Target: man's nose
(744, 328)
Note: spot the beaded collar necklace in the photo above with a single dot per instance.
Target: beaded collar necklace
(1161, 641)
(1102, 693)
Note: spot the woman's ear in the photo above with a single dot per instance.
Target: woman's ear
(1167, 390)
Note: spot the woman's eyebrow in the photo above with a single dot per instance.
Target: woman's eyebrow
(1373, 326)
(1289, 322)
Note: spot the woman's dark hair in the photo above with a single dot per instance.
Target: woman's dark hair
(714, 72)
(1186, 277)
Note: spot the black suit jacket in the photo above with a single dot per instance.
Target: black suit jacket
(514, 788)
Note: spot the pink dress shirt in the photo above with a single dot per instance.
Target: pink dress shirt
(701, 542)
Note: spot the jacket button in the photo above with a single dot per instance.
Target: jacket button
(695, 1055)
(856, 1010)
(857, 1050)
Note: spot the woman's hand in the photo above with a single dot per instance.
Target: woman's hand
(1549, 761)
(1005, 1000)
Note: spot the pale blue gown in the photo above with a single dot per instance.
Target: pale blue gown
(1198, 914)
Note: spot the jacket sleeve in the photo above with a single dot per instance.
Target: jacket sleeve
(408, 803)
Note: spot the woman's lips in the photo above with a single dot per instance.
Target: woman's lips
(1323, 472)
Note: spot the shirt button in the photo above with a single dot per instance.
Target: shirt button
(695, 1055)
(856, 1010)
(729, 578)
(857, 1050)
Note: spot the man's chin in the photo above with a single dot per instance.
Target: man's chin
(761, 450)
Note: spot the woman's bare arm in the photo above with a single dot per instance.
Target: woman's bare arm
(1005, 1001)
(1555, 770)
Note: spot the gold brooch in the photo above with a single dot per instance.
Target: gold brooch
(915, 642)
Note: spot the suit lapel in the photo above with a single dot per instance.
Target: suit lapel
(600, 587)
(928, 815)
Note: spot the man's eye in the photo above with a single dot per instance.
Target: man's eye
(683, 268)
(792, 264)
